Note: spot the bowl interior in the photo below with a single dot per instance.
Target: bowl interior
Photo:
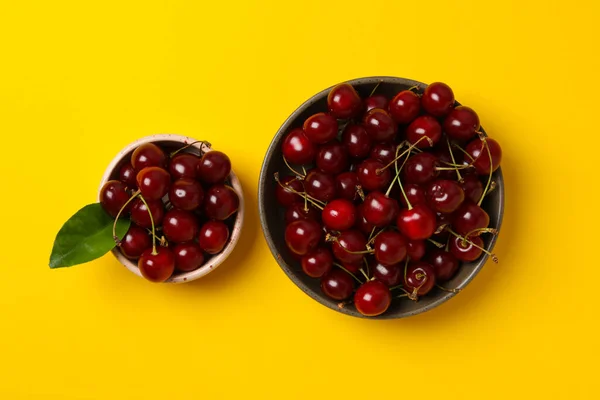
(272, 214)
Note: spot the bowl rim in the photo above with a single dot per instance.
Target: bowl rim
(216, 260)
(263, 179)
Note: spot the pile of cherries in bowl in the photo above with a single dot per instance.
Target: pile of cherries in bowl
(180, 205)
(383, 195)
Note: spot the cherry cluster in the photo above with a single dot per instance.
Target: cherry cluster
(387, 193)
(181, 200)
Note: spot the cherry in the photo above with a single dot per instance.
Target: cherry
(391, 275)
(442, 221)
(444, 263)
(184, 165)
(332, 158)
(343, 101)
(444, 195)
(180, 226)
(113, 197)
(376, 101)
(213, 237)
(356, 140)
(339, 215)
(350, 246)
(298, 211)
(337, 284)
(303, 236)
(372, 175)
(345, 184)
(135, 242)
(154, 182)
(361, 222)
(285, 196)
(186, 194)
(188, 256)
(213, 167)
(380, 126)
(419, 279)
(438, 99)
(148, 155)
(140, 215)
(157, 266)
(415, 249)
(481, 159)
(320, 128)
(415, 195)
(320, 185)
(127, 176)
(297, 148)
(420, 168)
(372, 298)
(416, 223)
(379, 209)
(390, 248)
(462, 123)
(470, 217)
(472, 187)
(220, 202)
(405, 107)
(317, 263)
(384, 152)
(424, 125)
(466, 251)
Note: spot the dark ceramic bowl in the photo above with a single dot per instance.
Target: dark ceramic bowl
(272, 220)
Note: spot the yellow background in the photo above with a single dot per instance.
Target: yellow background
(79, 80)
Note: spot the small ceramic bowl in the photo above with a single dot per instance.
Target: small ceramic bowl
(272, 214)
(173, 142)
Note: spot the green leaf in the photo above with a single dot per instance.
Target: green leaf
(87, 235)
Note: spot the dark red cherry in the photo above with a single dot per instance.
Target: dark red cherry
(415, 195)
(113, 197)
(148, 155)
(180, 226)
(415, 249)
(345, 184)
(317, 263)
(361, 222)
(337, 284)
(384, 152)
(339, 215)
(213, 167)
(184, 165)
(380, 126)
(444, 263)
(332, 158)
(186, 194)
(438, 99)
(417, 223)
(444, 195)
(349, 245)
(303, 236)
(424, 126)
(372, 298)
(320, 128)
(157, 267)
(464, 250)
(153, 182)
(213, 237)
(140, 215)
(462, 123)
(470, 217)
(420, 168)
(127, 175)
(376, 101)
(298, 211)
(343, 101)
(405, 107)
(356, 140)
(220, 202)
(320, 185)
(472, 187)
(379, 209)
(420, 279)
(297, 148)
(135, 242)
(390, 248)
(188, 256)
(391, 275)
(372, 175)
(479, 153)
(285, 196)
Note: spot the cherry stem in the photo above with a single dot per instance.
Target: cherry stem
(292, 169)
(405, 267)
(360, 192)
(455, 167)
(372, 238)
(487, 186)
(464, 151)
(465, 240)
(331, 238)
(351, 274)
(410, 148)
(447, 290)
(115, 237)
(402, 295)
(152, 223)
(189, 145)
(367, 266)
(304, 195)
(375, 88)
(415, 293)
(414, 88)
(371, 235)
(480, 230)
(436, 244)
(453, 159)
(364, 274)
(162, 240)
(400, 181)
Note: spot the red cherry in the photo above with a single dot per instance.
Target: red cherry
(445, 196)
(297, 148)
(444, 263)
(438, 99)
(332, 158)
(462, 123)
(478, 152)
(405, 107)
(420, 279)
(140, 215)
(157, 267)
(361, 222)
(343, 101)
(127, 175)
(470, 217)
(379, 209)
(390, 248)
(348, 246)
(339, 215)
(416, 223)
(186, 194)
(213, 237)
(420, 168)
(320, 185)
(337, 284)
(384, 152)
(220, 202)
(184, 165)
(180, 226)
(376, 101)
(356, 140)
(135, 242)
(380, 126)
(415, 249)
(466, 251)
(317, 263)
(424, 126)
(372, 175)
(188, 256)
(285, 196)
(153, 182)
(372, 298)
(303, 236)
(213, 167)
(415, 195)
(148, 155)
(113, 197)
(472, 187)
(320, 128)
(297, 211)
(345, 184)
(391, 275)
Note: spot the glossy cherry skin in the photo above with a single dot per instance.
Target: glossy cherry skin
(414, 193)
(470, 217)
(444, 263)
(372, 175)
(320, 185)
(438, 99)
(391, 275)
(213, 237)
(466, 251)
(380, 126)
(127, 175)
(345, 184)
(384, 152)
(298, 211)
(356, 140)
(320, 128)
(213, 167)
(317, 263)
(332, 158)
(472, 187)
(415, 249)
(297, 148)
(349, 243)
(337, 284)
(376, 101)
(113, 197)
(379, 209)
(420, 278)
(339, 215)
(390, 248)
(303, 236)
(140, 215)
(180, 226)
(157, 267)
(184, 165)
(135, 242)
(188, 256)
(361, 222)
(444, 195)
(424, 126)
(478, 152)
(420, 168)
(405, 107)
(286, 197)
(372, 298)
(148, 155)
(343, 102)
(462, 123)
(220, 202)
(417, 223)
(153, 182)
(186, 194)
